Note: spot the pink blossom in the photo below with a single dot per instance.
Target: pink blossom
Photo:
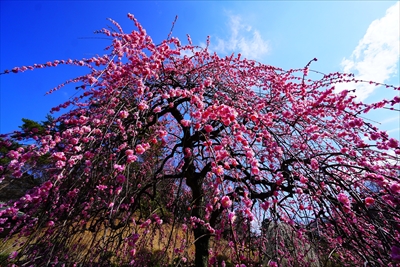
(255, 170)
(254, 117)
(265, 205)
(369, 201)
(314, 164)
(101, 187)
(157, 109)
(12, 154)
(208, 128)
(48, 185)
(248, 202)
(343, 199)
(207, 82)
(249, 214)
(374, 136)
(13, 255)
(119, 168)
(395, 188)
(129, 152)
(393, 143)
(162, 133)
(140, 149)
(218, 170)
(249, 154)
(60, 164)
(123, 114)
(131, 158)
(188, 152)
(122, 146)
(59, 156)
(132, 252)
(231, 216)
(184, 227)
(145, 224)
(120, 178)
(226, 202)
(142, 106)
(185, 123)
(92, 80)
(118, 190)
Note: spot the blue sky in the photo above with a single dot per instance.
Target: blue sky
(355, 36)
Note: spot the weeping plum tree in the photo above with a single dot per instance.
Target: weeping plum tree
(219, 138)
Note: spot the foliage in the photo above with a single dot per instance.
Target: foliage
(210, 139)
(7, 146)
(3, 258)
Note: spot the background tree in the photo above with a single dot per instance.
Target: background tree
(12, 189)
(292, 151)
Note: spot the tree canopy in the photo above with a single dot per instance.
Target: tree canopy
(173, 136)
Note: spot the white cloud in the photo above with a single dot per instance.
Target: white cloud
(376, 56)
(390, 120)
(395, 130)
(241, 39)
(190, 53)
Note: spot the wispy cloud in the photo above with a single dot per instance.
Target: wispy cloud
(241, 39)
(390, 120)
(395, 130)
(377, 54)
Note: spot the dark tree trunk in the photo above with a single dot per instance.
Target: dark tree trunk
(195, 182)
(201, 234)
(201, 244)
